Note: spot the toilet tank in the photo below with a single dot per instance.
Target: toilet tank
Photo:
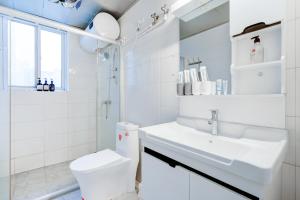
(127, 142)
(127, 145)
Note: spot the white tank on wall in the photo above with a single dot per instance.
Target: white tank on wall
(104, 25)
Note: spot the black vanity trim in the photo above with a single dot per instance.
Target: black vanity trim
(173, 163)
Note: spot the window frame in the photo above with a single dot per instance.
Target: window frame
(38, 67)
(4, 54)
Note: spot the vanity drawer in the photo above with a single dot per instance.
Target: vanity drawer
(164, 178)
(202, 188)
(160, 181)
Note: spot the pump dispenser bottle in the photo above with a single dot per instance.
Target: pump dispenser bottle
(39, 85)
(46, 85)
(52, 86)
(257, 52)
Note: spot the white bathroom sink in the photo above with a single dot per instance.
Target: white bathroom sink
(256, 155)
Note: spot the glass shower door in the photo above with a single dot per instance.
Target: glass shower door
(108, 97)
(4, 121)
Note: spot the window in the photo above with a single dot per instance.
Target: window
(51, 56)
(36, 52)
(22, 54)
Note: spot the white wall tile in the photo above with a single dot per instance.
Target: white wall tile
(58, 97)
(27, 113)
(297, 132)
(290, 9)
(54, 157)
(78, 124)
(297, 8)
(27, 147)
(298, 42)
(56, 126)
(298, 92)
(168, 95)
(168, 114)
(290, 47)
(82, 137)
(28, 163)
(12, 166)
(26, 97)
(55, 141)
(150, 69)
(27, 130)
(291, 92)
(297, 183)
(291, 153)
(78, 151)
(78, 110)
(56, 111)
(169, 68)
(288, 182)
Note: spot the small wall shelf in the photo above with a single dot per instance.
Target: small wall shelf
(260, 78)
(269, 29)
(257, 66)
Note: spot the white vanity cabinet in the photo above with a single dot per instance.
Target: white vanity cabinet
(160, 181)
(202, 188)
(244, 13)
(163, 182)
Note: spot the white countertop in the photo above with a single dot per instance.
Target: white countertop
(254, 156)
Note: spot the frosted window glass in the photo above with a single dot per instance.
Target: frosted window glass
(22, 54)
(51, 57)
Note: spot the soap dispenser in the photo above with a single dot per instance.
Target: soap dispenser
(257, 52)
(46, 86)
(39, 85)
(52, 86)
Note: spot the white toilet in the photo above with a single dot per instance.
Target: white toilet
(109, 174)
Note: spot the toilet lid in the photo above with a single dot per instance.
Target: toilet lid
(96, 160)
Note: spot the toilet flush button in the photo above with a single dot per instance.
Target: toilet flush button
(120, 136)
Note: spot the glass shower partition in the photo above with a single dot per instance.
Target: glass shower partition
(4, 120)
(108, 96)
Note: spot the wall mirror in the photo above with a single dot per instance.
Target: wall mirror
(217, 60)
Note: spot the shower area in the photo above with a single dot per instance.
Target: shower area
(42, 132)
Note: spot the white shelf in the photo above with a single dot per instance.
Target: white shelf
(258, 32)
(235, 96)
(264, 65)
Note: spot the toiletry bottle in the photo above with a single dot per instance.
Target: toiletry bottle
(187, 82)
(52, 86)
(203, 74)
(39, 85)
(219, 86)
(257, 52)
(225, 87)
(180, 84)
(46, 86)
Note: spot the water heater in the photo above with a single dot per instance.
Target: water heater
(104, 25)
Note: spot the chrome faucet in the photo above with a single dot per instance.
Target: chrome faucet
(214, 122)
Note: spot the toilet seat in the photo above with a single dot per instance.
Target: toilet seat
(96, 161)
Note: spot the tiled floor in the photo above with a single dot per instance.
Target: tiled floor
(76, 195)
(39, 182)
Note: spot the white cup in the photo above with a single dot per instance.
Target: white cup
(196, 88)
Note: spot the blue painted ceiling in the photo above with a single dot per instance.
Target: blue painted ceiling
(70, 16)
